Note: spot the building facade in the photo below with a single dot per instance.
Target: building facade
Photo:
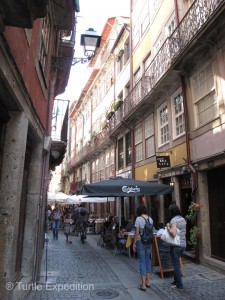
(36, 53)
(170, 125)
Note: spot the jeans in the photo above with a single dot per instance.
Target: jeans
(176, 253)
(144, 253)
(55, 228)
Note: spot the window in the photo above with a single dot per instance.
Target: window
(138, 143)
(170, 26)
(158, 44)
(178, 114)
(205, 99)
(126, 50)
(149, 136)
(136, 34)
(145, 17)
(137, 76)
(147, 62)
(120, 61)
(128, 149)
(112, 156)
(45, 36)
(102, 167)
(120, 154)
(163, 125)
(107, 164)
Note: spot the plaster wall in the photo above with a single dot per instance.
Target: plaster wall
(209, 143)
(10, 190)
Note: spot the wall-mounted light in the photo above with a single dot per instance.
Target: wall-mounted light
(196, 166)
(185, 169)
(90, 40)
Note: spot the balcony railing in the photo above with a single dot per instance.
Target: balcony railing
(88, 149)
(199, 14)
(195, 19)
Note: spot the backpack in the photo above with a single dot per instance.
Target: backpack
(147, 233)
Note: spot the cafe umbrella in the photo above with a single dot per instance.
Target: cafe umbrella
(124, 187)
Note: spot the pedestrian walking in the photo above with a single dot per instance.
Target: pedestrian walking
(68, 227)
(56, 217)
(143, 250)
(177, 251)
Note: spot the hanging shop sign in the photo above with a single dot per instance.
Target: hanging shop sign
(163, 161)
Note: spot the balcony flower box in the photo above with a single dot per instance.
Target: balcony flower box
(109, 115)
(117, 105)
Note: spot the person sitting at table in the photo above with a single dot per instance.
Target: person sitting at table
(130, 224)
(122, 236)
(161, 229)
(120, 241)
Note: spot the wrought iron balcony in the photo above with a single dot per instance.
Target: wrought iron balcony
(197, 17)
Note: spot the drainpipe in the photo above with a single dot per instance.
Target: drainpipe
(190, 165)
(176, 12)
(133, 149)
(131, 46)
(186, 119)
(44, 183)
(187, 130)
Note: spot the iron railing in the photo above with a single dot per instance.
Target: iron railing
(195, 19)
(199, 14)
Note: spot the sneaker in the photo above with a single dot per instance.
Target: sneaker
(173, 283)
(176, 287)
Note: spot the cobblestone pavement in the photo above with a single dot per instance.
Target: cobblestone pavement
(87, 271)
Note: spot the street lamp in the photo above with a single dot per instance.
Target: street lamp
(90, 40)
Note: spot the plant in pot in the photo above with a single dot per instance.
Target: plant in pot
(116, 106)
(109, 114)
(195, 234)
(192, 212)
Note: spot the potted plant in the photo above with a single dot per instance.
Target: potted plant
(115, 106)
(104, 124)
(109, 114)
(192, 212)
(195, 234)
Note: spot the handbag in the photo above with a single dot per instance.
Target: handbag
(170, 239)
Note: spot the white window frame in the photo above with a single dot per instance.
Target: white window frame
(45, 40)
(149, 136)
(138, 143)
(163, 124)
(204, 96)
(177, 114)
(170, 26)
(145, 17)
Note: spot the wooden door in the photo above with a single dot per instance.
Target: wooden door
(216, 190)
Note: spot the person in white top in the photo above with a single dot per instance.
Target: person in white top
(143, 251)
(161, 229)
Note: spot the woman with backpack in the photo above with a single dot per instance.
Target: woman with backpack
(142, 244)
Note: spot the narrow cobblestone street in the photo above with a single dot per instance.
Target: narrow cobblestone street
(87, 271)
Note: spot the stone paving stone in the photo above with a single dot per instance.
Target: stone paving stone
(87, 271)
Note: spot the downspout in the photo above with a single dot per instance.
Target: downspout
(42, 222)
(187, 139)
(133, 148)
(131, 85)
(186, 120)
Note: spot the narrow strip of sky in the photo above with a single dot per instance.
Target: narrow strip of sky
(93, 14)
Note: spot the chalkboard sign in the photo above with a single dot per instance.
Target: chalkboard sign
(162, 253)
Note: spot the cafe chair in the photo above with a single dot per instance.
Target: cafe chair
(120, 246)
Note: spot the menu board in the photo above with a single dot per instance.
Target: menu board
(163, 258)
